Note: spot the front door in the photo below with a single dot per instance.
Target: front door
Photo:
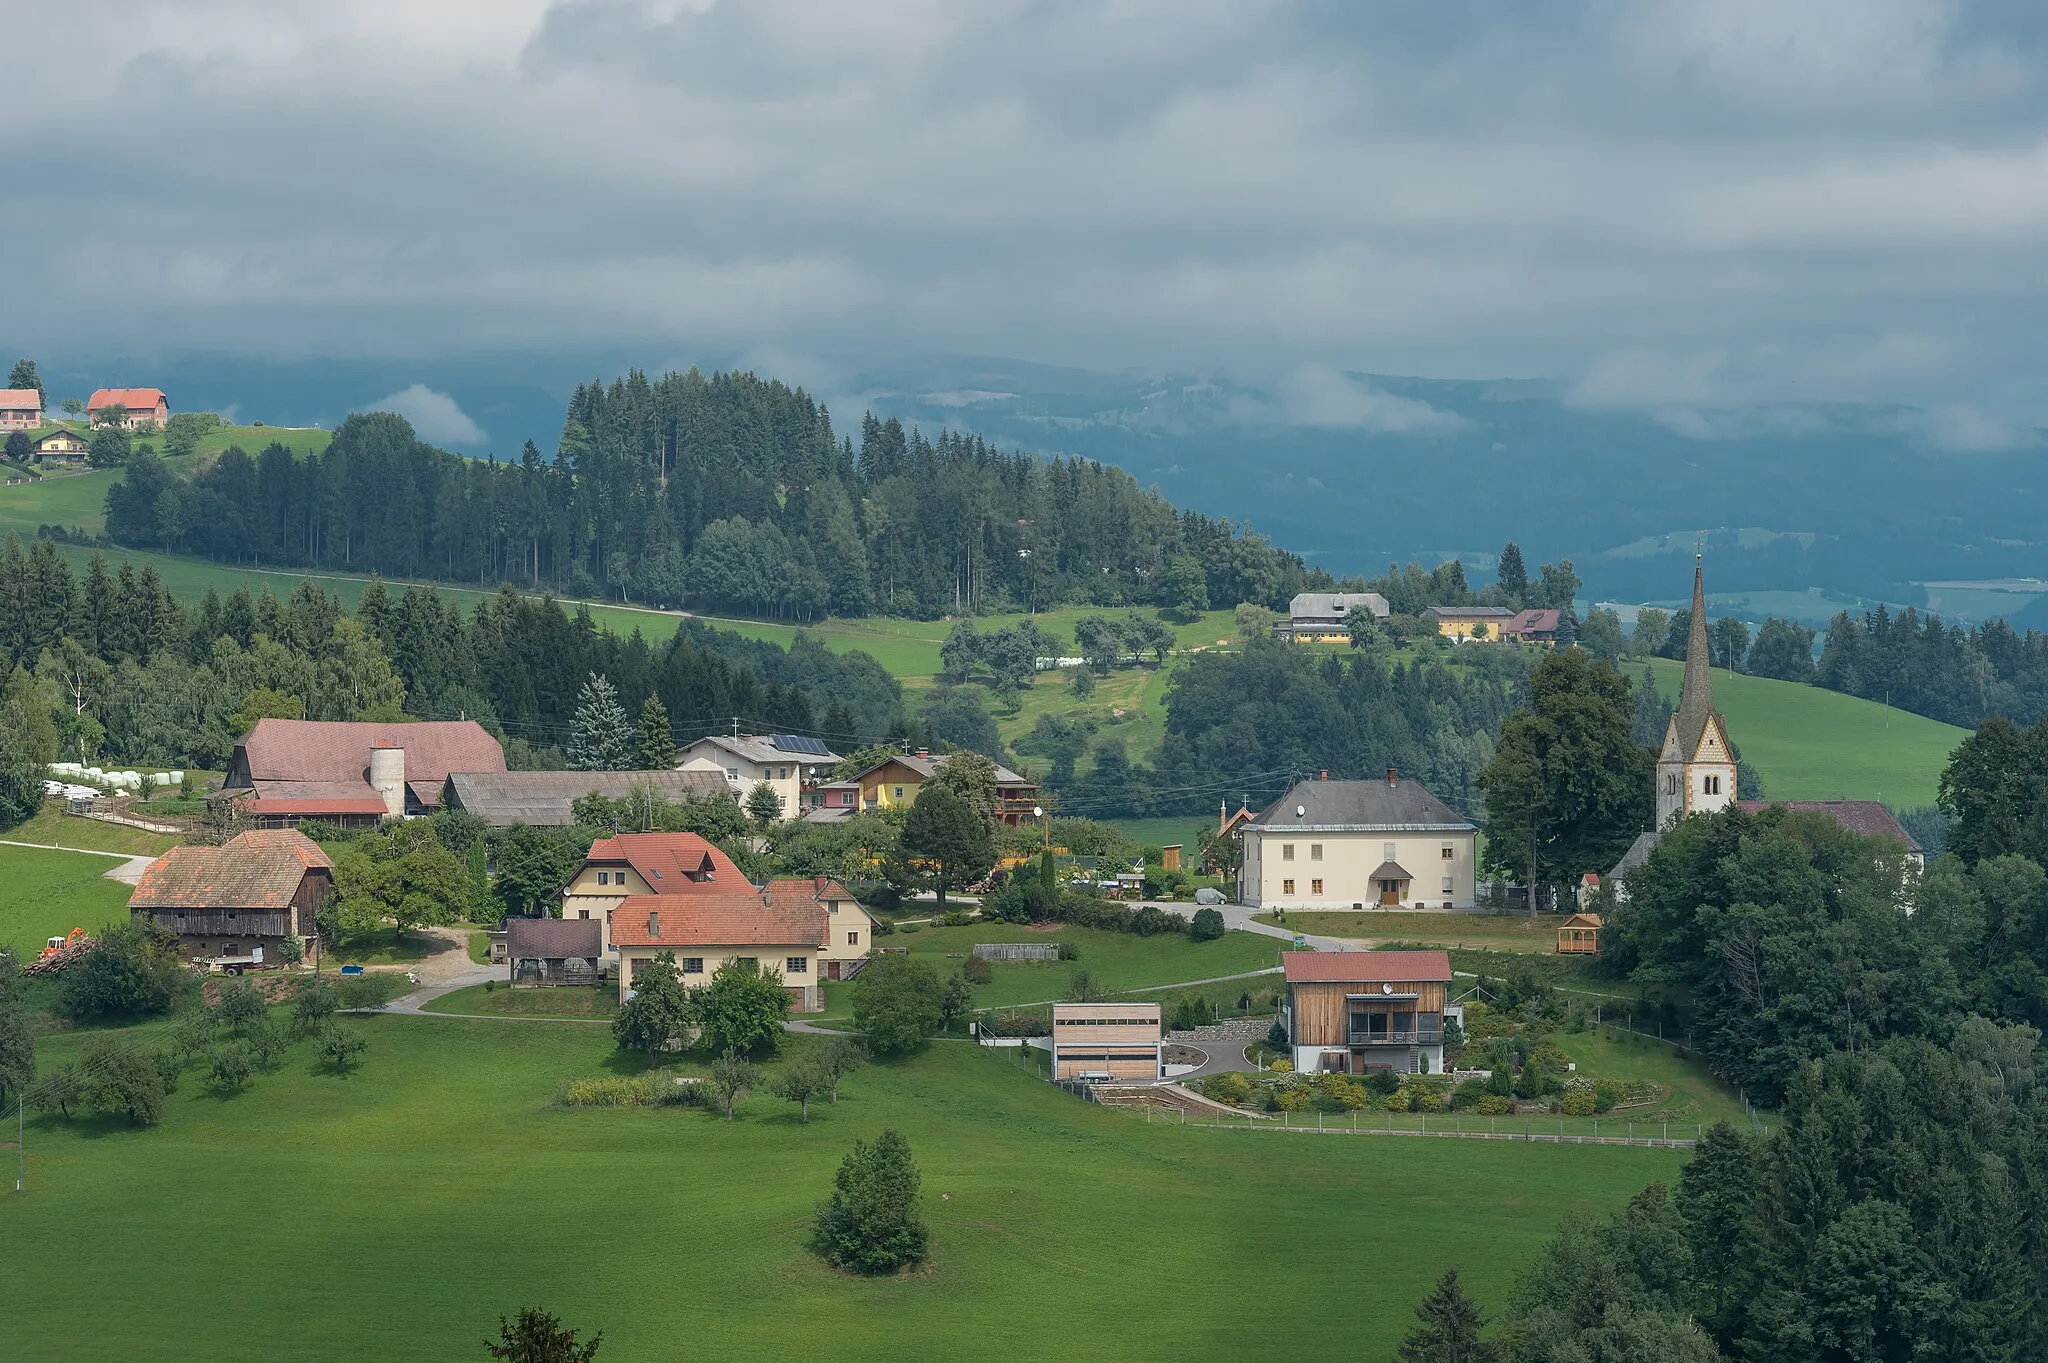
(1390, 893)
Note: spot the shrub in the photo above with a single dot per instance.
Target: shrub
(1341, 1092)
(657, 1088)
(1206, 927)
(1282, 1067)
(1292, 1098)
(135, 971)
(1578, 1102)
(1069, 952)
(1230, 1087)
(957, 918)
(1428, 1100)
(1276, 1036)
(871, 1222)
(1382, 1082)
(1400, 1100)
(978, 970)
(1608, 1094)
(883, 928)
(1467, 1093)
(1494, 1105)
(908, 927)
(366, 990)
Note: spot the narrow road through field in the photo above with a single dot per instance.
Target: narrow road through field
(128, 872)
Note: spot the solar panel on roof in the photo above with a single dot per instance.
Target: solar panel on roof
(810, 747)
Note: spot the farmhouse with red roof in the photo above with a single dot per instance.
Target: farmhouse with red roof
(140, 408)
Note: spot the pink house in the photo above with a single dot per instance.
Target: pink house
(140, 407)
(21, 409)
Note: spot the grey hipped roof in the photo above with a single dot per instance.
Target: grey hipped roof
(1362, 806)
(503, 798)
(553, 939)
(1335, 605)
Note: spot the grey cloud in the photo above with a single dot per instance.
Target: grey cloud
(435, 417)
(1680, 204)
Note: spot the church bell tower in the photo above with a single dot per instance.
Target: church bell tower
(1696, 766)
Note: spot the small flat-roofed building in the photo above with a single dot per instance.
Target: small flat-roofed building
(1355, 1011)
(1106, 1041)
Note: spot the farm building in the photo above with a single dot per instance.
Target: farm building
(1325, 617)
(1357, 844)
(1579, 935)
(352, 774)
(1354, 1011)
(704, 930)
(62, 445)
(139, 408)
(1105, 1041)
(21, 409)
(504, 798)
(252, 892)
(552, 950)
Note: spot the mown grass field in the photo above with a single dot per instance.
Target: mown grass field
(46, 894)
(53, 827)
(599, 1002)
(1811, 744)
(1118, 961)
(439, 1188)
(1490, 932)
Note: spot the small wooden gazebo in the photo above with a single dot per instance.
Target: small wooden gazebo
(1579, 935)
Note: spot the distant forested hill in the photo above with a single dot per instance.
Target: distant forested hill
(725, 492)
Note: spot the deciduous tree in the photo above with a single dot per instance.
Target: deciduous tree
(742, 1008)
(897, 1003)
(733, 1076)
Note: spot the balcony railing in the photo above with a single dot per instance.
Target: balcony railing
(1432, 1038)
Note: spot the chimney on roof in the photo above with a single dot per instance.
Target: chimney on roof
(1393, 777)
(653, 924)
(924, 752)
(819, 883)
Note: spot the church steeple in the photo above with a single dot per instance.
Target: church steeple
(1696, 700)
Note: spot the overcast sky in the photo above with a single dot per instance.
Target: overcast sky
(1659, 201)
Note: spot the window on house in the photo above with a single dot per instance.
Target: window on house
(899, 792)
(853, 939)
(1315, 887)
(1712, 785)
(1286, 887)
(1450, 852)
(583, 913)
(693, 965)
(1447, 884)
(1287, 851)
(732, 773)
(796, 965)
(1315, 851)
(604, 877)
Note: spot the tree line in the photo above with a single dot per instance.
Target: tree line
(726, 492)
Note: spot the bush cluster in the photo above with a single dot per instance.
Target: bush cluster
(657, 1088)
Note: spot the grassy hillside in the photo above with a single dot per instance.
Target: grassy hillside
(1811, 744)
(46, 894)
(439, 1188)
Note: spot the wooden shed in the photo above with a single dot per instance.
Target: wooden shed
(1579, 935)
(552, 950)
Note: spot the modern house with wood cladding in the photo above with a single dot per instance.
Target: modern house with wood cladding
(1355, 1011)
(1105, 1041)
(1356, 845)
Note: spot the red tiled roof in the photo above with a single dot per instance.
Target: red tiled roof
(722, 918)
(132, 399)
(1366, 967)
(337, 753)
(668, 861)
(227, 877)
(309, 853)
(1868, 817)
(21, 397)
(1533, 622)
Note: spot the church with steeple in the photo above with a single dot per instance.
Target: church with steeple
(1696, 766)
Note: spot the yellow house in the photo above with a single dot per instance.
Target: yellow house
(62, 443)
(704, 930)
(894, 782)
(1460, 623)
(645, 863)
(849, 930)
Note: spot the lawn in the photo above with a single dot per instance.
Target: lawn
(382, 946)
(439, 1188)
(566, 1002)
(46, 894)
(1696, 1096)
(1493, 932)
(1813, 744)
(58, 829)
(1118, 961)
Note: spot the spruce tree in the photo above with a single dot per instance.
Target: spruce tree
(1449, 1328)
(1513, 574)
(657, 745)
(600, 736)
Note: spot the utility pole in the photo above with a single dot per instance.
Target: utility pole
(20, 1140)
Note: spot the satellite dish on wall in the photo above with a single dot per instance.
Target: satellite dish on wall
(1301, 811)
(1386, 989)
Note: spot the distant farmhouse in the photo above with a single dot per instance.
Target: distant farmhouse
(21, 409)
(1357, 844)
(787, 764)
(352, 774)
(1462, 623)
(1325, 617)
(243, 898)
(62, 445)
(1533, 627)
(140, 408)
(894, 782)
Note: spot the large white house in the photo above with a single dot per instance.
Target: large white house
(785, 763)
(1358, 844)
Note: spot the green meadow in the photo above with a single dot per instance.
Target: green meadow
(397, 1213)
(1813, 744)
(46, 894)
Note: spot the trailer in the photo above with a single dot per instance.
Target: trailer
(233, 965)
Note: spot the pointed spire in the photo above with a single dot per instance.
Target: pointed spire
(1696, 700)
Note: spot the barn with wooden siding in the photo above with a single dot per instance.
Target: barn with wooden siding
(255, 890)
(1354, 1011)
(552, 950)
